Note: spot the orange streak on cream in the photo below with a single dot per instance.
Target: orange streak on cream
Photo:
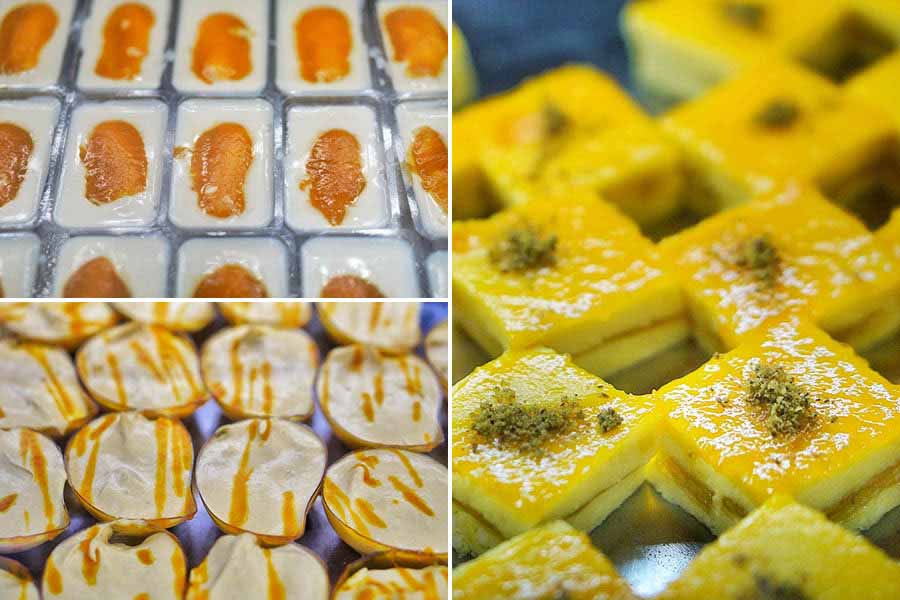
(410, 496)
(277, 590)
(418, 39)
(323, 40)
(112, 361)
(334, 174)
(368, 512)
(142, 596)
(179, 568)
(97, 278)
(24, 32)
(179, 466)
(86, 489)
(16, 146)
(417, 411)
(147, 361)
(222, 49)
(237, 372)
(115, 162)
(367, 408)
(414, 475)
(428, 160)
(29, 446)
(288, 514)
(230, 281)
(220, 161)
(268, 393)
(375, 315)
(368, 460)
(350, 286)
(53, 577)
(161, 427)
(64, 402)
(90, 564)
(145, 555)
(126, 40)
(367, 476)
(240, 509)
(173, 362)
(341, 504)
(379, 388)
(199, 578)
(7, 502)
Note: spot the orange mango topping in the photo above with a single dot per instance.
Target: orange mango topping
(97, 278)
(222, 49)
(334, 172)
(230, 281)
(418, 39)
(323, 40)
(350, 286)
(15, 151)
(428, 159)
(115, 162)
(24, 32)
(221, 158)
(126, 41)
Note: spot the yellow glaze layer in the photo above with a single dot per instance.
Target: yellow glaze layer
(878, 85)
(553, 561)
(831, 269)
(514, 490)
(788, 547)
(607, 280)
(730, 155)
(854, 438)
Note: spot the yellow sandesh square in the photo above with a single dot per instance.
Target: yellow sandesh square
(786, 253)
(878, 84)
(550, 562)
(535, 438)
(573, 274)
(572, 126)
(786, 550)
(780, 123)
(679, 48)
(790, 411)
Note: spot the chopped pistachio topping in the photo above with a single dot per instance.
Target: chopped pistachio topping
(778, 114)
(761, 258)
(745, 13)
(526, 426)
(609, 419)
(767, 589)
(787, 405)
(523, 249)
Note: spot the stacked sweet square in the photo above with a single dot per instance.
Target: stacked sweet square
(751, 221)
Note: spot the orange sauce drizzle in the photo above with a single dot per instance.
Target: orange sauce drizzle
(334, 174)
(240, 510)
(356, 359)
(222, 49)
(379, 388)
(237, 372)
(368, 460)
(97, 278)
(115, 162)
(368, 479)
(413, 377)
(418, 39)
(64, 403)
(417, 411)
(375, 315)
(230, 281)
(86, 489)
(29, 445)
(199, 578)
(142, 596)
(24, 32)
(323, 41)
(413, 474)
(126, 40)
(369, 514)
(220, 161)
(7, 502)
(276, 587)
(173, 362)
(268, 394)
(161, 427)
(90, 564)
(145, 555)
(160, 311)
(52, 577)
(342, 506)
(288, 514)
(144, 358)
(410, 496)
(112, 361)
(16, 146)
(181, 461)
(367, 407)
(180, 569)
(428, 159)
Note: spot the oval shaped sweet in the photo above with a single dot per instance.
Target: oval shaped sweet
(110, 561)
(32, 478)
(126, 41)
(372, 400)
(350, 286)
(40, 389)
(391, 327)
(24, 32)
(230, 281)
(418, 39)
(323, 40)
(128, 466)
(177, 316)
(16, 146)
(428, 160)
(59, 323)
(143, 368)
(389, 500)
(222, 49)
(334, 174)
(115, 162)
(97, 278)
(238, 566)
(261, 476)
(276, 314)
(261, 371)
(220, 160)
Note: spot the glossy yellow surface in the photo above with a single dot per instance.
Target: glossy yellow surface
(786, 546)
(515, 490)
(832, 270)
(607, 279)
(890, 233)
(879, 85)
(834, 138)
(547, 563)
(855, 437)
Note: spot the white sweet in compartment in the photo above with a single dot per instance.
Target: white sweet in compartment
(387, 263)
(46, 73)
(403, 83)
(410, 117)
(265, 258)
(18, 264)
(141, 262)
